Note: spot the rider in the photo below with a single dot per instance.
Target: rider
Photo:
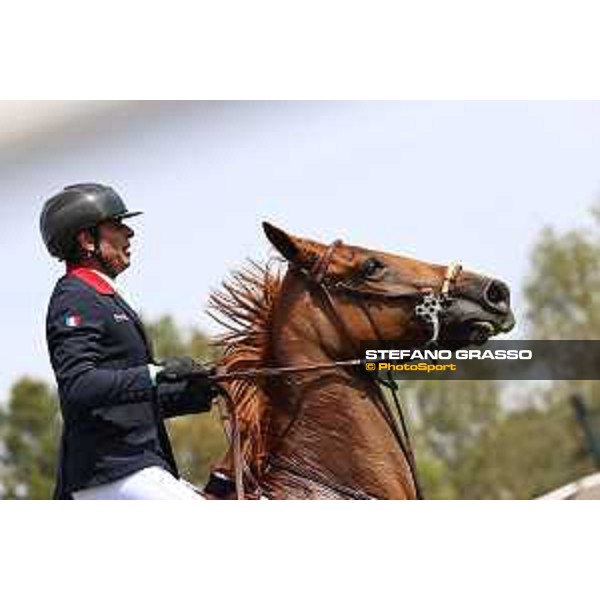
(113, 396)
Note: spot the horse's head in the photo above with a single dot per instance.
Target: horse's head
(382, 296)
(286, 337)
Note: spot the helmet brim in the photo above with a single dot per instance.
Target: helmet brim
(128, 215)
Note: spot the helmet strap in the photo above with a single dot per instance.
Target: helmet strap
(97, 253)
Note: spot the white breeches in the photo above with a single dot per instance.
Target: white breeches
(152, 483)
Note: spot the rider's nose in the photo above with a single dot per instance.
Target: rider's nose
(497, 296)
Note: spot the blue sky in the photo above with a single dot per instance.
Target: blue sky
(473, 181)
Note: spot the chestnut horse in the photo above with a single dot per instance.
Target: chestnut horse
(306, 431)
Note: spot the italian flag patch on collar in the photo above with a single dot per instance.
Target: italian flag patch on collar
(73, 320)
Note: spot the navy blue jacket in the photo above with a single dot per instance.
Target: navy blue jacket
(112, 413)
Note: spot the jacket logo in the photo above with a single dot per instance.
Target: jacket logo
(120, 317)
(73, 320)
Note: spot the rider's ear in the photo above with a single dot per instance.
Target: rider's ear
(284, 242)
(85, 241)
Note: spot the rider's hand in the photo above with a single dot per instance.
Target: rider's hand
(202, 391)
(179, 368)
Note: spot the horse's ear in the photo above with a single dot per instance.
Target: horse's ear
(282, 241)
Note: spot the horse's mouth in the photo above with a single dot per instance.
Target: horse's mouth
(479, 332)
(479, 310)
(476, 329)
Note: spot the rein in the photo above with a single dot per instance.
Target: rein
(430, 309)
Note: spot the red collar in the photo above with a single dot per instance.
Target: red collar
(91, 278)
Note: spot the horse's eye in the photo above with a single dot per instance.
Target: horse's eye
(371, 267)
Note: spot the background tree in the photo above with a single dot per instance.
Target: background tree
(449, 418)
(29, 428)
(563, 299)
(563, 286)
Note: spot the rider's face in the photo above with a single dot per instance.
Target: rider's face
(114, 244)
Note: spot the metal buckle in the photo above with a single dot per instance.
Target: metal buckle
(432, 305)
(429, 310)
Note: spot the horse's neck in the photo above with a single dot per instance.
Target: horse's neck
(328, 428)
(334, 432)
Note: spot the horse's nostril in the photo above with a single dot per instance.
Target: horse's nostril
(497, 295)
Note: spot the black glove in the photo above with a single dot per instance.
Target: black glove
(180, 368)
(200, 393)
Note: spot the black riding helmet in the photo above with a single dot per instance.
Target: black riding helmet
(78, 207)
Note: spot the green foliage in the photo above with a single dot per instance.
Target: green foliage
(563, 299)
(198, 442)
(563, 287)
(169, 339)
(29, 429)
(469, 444)
(449, 419)
(532, 451)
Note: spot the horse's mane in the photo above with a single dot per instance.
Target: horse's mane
(244, 306)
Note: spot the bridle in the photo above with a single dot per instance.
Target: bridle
(430, 308)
